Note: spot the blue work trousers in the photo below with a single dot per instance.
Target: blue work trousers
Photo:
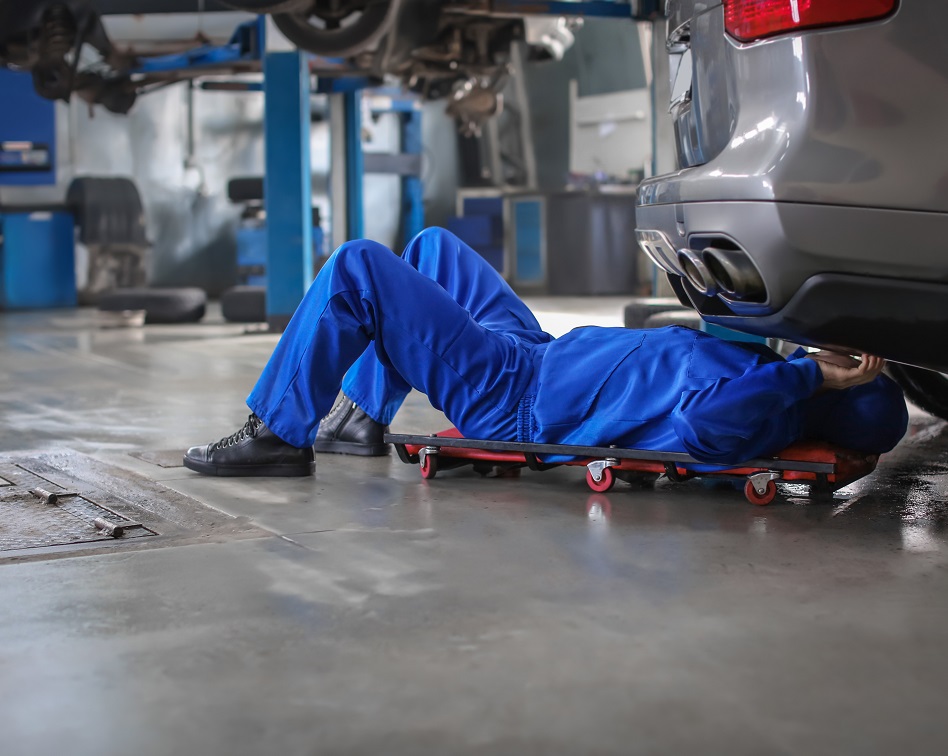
(457, 333)
(474, 285)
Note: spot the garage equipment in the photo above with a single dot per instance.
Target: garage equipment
(248, 193)
(27, 133)
(823, 467)
(37, 262)
(110, 219)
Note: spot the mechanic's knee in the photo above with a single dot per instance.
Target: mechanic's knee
(882, 417)
(359, 253)
(427, 245)
(434, 233)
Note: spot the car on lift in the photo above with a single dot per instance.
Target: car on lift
(456, 50)
(810, 203)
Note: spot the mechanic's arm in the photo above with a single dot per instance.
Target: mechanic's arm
(758, 414)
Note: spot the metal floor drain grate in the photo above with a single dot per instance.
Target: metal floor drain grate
(27, 521)
(59, 503)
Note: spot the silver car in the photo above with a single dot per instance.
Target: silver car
(811, 203)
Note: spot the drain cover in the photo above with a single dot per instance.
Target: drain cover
(27, 522)
(58, 503)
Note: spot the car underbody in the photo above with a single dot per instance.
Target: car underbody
(458, 51)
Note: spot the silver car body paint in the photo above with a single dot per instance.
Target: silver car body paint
(819, 153)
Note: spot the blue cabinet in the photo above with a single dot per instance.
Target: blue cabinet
(37, 259)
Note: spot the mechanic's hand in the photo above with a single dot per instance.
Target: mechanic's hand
(841, 371)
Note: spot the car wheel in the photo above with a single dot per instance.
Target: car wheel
(640, 309)
(927, 389)
(245, 304)
(680, 317)
(338, 30)
(181, 305)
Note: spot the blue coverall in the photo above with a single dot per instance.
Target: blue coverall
(439, 319)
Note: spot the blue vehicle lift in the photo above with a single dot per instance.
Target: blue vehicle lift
(288, 191)
(286, 84)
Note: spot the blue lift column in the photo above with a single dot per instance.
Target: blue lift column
(355, 218)
(287, 184)
(413, 200)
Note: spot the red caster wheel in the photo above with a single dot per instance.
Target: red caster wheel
(605, 482)
(429, 468)
(750, 493)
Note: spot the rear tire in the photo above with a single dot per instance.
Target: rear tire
(640, 309)
(183, 305)
(927, 389)
(245, 304)
(334, 39)
(681, 317)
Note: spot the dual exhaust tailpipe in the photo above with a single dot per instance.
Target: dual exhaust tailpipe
(729, 272)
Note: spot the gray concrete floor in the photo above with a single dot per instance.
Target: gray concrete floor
(385, 614)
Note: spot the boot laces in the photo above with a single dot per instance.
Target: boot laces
(249, 430)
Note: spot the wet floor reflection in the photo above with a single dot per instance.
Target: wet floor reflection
(660, 534)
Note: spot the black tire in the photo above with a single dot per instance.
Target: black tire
(245, 189)
(185, 305)
(927, 389)
(641, 309)
(342, 41)
(681, 317)
(245, 304)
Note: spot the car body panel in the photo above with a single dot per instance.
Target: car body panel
(822, 116)
(817, 152)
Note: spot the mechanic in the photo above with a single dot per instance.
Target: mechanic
(439, 319)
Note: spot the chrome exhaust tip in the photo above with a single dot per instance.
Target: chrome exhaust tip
(697, 272)
(734, 274)
(657, 248)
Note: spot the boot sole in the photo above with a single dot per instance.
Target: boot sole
(251, 471)
(350, 447)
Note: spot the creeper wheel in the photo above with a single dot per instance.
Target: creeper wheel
(770, 492)
(429, 468)
(605, 483)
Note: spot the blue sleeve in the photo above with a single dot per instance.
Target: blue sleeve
(754, 415)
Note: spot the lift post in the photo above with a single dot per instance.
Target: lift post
(287, 184)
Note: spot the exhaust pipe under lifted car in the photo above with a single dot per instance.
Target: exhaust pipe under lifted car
(734, 274)
(697, 272)
(723, 271)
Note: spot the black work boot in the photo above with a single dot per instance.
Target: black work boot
(348, 430)
(254, 450)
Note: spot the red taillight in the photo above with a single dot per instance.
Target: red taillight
(748, 20)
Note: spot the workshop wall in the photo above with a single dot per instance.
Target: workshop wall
(188, 218)
(181, 174)
(183, 179)
(548, 88)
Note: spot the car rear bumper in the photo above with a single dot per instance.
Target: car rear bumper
(906, 321)
(792, 245)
